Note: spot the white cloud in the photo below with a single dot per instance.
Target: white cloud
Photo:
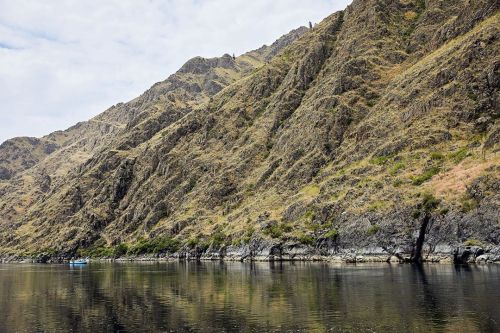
(64, 61)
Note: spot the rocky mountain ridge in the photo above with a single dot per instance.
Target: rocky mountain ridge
(373, 135)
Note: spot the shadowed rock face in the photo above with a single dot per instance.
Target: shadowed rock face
(340, 142)
(19, 154)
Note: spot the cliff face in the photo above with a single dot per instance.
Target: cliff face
(374, 133)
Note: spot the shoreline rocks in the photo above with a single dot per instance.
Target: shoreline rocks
(462, 254)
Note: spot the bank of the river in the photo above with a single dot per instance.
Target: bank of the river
(291, 252)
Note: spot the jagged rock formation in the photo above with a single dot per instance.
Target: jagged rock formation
(339, 141)
(19, 154)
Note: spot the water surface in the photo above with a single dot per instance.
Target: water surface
(249, 297)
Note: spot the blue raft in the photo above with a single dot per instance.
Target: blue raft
(79, 262)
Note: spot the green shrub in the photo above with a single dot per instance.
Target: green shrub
(297, 154)
(472, 95)
(120, 250)
(191, 185)
(309, 215)
(315, 227)
(153, 246)
(371, 102)
(306, 239)
(468, 205)
(141, 247)
(45, 251)
(286, 55)
(327, 225)
(249, 190)
(380, 160)
(217, 239)
(192, 242)
(397, 167)
(243, 240)
(247, 237)
(373, 230)
(421, 5)
(332, 234)
(276, 230)
(444, 211)
(376, 206)
(459, 155)
(427, 175)
(97, 252)
(429, 202)
(397, 183)
(436, 156)
(250, 231)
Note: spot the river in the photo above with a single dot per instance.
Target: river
(249, 297)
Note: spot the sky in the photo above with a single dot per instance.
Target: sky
(64, 61)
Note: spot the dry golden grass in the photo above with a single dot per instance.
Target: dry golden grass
(410, 15)
(453, 183)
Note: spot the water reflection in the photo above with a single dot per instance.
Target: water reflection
(249, 297)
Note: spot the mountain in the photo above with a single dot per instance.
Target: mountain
(372, 136)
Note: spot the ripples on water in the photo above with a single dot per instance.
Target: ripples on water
(249, 297)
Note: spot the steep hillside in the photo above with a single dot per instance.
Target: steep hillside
(374, 135)
(19, 154)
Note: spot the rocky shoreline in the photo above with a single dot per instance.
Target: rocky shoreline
(444, 254)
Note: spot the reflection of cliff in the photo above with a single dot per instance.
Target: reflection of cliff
(215, 297)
